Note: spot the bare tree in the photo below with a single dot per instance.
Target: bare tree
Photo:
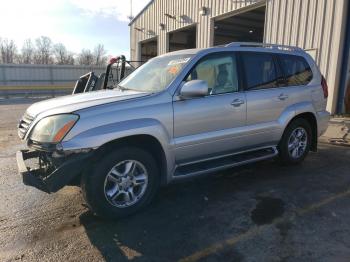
(62, 56)
(8, 51)
(86, 57)
(60, 53)
(100, 57)
(27, 56)
(18, 59)
(43, 52)
(70, 59)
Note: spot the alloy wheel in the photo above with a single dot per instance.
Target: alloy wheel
(297, 142)
(126, 183)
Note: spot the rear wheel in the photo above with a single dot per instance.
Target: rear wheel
(121, 183)
(295, 143)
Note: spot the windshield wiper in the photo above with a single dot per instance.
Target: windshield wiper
(122, 88)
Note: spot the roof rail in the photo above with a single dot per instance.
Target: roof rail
(265, 45)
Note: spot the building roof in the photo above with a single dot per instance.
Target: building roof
(143, 9)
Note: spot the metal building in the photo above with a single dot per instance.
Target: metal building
(319, 26)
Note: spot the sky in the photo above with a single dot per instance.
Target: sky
(77, 24)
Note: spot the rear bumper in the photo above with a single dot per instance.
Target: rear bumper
(53, 181)
(322, 121)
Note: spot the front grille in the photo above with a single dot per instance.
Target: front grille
(24, 124)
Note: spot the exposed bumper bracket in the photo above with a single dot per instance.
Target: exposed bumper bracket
(54, 181)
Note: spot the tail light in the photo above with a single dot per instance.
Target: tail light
(324, 87)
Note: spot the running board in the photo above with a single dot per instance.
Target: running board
(225, 162)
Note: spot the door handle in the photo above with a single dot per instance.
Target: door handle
(237, 102)
(282, 97)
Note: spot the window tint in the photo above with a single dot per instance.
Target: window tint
(297, 71)
(260, 70)
(219, 71)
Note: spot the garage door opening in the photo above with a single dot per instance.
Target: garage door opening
(149, 49)
(244, 27)
(182, 39)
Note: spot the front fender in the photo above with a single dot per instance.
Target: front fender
(98, 136)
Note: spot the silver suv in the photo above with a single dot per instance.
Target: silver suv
(179, 115)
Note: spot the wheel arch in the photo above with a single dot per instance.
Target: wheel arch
(143, 141)
(311, 118)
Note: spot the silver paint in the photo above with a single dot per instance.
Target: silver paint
(189, 129)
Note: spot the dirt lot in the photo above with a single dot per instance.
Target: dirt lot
(262, 212)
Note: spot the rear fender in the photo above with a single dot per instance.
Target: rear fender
(294, 111)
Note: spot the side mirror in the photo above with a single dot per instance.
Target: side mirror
(194, 88)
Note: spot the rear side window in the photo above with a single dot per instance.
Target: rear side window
(260, 70)
(297, 71)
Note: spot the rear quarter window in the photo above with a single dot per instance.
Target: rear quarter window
(296, 70)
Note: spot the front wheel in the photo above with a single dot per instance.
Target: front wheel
(295, 143)
(121, 183)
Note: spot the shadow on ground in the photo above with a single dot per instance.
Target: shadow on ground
(188, 216)
(285, 213)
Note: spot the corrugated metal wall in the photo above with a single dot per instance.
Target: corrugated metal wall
(44, 75)
(154, 15)
(310, 24)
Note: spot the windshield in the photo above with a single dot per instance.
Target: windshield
(156, 74)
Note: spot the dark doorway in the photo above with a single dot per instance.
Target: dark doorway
(347, 88)
(149, 49)
(244, 27)
(182, 39)
(346, 68)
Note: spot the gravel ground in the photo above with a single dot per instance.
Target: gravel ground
(260, 212)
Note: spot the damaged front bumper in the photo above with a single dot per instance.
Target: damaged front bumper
(50, 179)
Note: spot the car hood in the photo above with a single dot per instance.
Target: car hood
(71, 103)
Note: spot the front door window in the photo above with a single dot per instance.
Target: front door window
(219, 71)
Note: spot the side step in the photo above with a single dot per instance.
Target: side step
(224, 162)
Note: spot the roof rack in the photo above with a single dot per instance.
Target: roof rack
(265, 45)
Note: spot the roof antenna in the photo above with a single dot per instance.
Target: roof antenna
(130, 16)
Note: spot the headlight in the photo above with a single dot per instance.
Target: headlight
(52, 129)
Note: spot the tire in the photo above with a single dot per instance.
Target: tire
(106, 188)
(294, 153)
